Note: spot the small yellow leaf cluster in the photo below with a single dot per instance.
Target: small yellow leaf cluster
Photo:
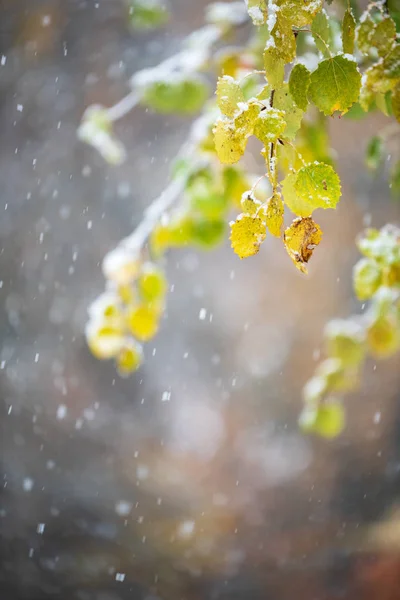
(376, 333)
(128, 313)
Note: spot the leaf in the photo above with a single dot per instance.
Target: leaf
(249, 204)
(229, 94)
(182, 93)
(230, 143)
(321, 32)
(326, 420)
(152, 283)
(299, 82)
(383, 337)
(335, 85)
(247, 234)
(348, 32)
(374, 153)
(274, 215)
(282, 42)
(383, 36)
(148, 14)
(319, 185)
(235, 184)
(364, 32)
(299, 12)
(245, 119)
(297, 205)
(207, 233)
(129, 358)
(104, 339)
(345, 341)
(396, 102)
(258, 11)
(300, 240)
(274, 68)
(283, 100)
(270, 125)
(367, 277)
(143, 322)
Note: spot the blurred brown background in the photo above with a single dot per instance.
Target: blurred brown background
(109, 492)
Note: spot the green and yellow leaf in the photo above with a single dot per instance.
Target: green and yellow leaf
(300, 240)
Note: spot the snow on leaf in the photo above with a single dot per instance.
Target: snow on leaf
(319, 185)
(247, 234)
(348, 32)
(364, 32)
(335, 85)
(270, 125)
(229, 94)
(383, 36)
(299, 82)
(230, 144)
(257, 10)
(300, 240)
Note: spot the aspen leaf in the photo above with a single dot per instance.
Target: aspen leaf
(383, 337)
(326, 420)
(274, 67)
(258, 11)
(247, 234)
(207, 232)
(319, 185)
(299, 82)
(283, 100)
(335, 85)
(249, 204)
(270, 125)
(129, 358)
(300, 239)
(297, 205)
(143, 322)
(230, 144)
(383, 36)
(367, 277)
(229, 94)
(274, 214)
(152, 283)
(345, 341)
(246, 117)
(321, 32)
(364, 32)
(299, 12)
(282, 43)
(348, 32)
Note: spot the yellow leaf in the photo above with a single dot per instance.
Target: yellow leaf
(274, 214)
(230, 144)
(300, 240)
(247, 234)
(143, 322)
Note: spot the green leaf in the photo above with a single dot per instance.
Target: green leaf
(258, 11)
(229, 94)
(321, 32)
(383, 36)
(348, 32)
(345, 341)
(181, 93)
(207, 233)
(319, 185)
(270, 125)
(395, 179)
(297, 205)
(148, 14)
(152, 283)
(283, 100)
(367, 277)
(274, 68)
(374, 153)
(247, 234)
(282, 42)
(299, 82)
(335, 85)
(396, 102)
(364, 32)
(326, 420)
(300, 240)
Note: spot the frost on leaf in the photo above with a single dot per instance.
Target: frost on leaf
(300, 239)
(383, 36)
(364, 32)
(348, 32)
(321, 32)
(384, 75)
(299, 12)
(245, 118)
(319, 185)
(297, 205)
(247, 234)
(283, 100)
(270, 125)
(335, 85)
(258, 11)
(299, 82)
(274, 215)
(229, 94)
(230, 144)
(282, 42)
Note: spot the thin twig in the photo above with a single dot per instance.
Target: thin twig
(123, 107)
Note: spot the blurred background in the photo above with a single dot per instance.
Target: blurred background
(190, 480)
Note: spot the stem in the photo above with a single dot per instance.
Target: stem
(123, 107)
